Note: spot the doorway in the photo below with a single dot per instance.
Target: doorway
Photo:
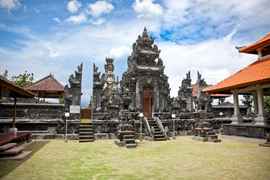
(147, 102)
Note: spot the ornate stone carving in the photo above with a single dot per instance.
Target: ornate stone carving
(185, 99)
(106, 90)
(202, 100)
(73, 90)
(145, 70)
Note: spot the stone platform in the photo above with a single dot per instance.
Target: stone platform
(246, 130)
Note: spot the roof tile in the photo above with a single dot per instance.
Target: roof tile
(257, 72)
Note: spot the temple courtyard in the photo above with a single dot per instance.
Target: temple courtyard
(183, 158)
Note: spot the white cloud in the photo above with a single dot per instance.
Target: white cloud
(73, 6)
(56, 19)
(9, 4)
(99, 8)
(175, 11)
(98, 21)
(147, 8)
(77, 19)
(59, 54)
(246, 15)
(215, 59)
(119, 51)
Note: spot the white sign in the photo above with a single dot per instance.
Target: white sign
(73, 109)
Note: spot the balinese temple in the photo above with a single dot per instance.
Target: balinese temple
(47, 87)
(145, 84)
(252, 80)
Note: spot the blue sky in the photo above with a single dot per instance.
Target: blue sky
(47, 36)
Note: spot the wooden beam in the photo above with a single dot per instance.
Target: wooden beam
(14, 112)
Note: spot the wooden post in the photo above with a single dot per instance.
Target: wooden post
(14, 112)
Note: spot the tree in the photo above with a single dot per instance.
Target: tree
(23, 79)
(267, 103)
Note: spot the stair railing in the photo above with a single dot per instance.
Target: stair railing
(161, 127)
(148, 127)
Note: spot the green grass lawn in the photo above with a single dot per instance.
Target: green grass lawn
(183, 158)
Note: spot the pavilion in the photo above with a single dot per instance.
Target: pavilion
(254, 79)
(47, 87)
(9, 89)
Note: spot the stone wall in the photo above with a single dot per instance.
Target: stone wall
(32, 111)
(38, 118)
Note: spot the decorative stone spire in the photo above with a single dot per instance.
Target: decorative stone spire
(73, 91)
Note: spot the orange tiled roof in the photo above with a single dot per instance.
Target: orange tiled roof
(14, 89)
(255, 73)
(195, 89)
(253, 47)
(46, 84)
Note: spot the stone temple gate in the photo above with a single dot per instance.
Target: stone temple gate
(145, 81)
(144, 86)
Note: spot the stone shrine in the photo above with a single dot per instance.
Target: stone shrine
(185, 94)
(144, 86)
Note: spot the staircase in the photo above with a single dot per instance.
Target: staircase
(129, 139)
(126, 135)
(158, 135)
(86, 132)
(13, 151)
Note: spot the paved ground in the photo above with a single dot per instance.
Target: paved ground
(183, 158)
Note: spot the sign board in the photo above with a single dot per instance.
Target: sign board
(74, 109)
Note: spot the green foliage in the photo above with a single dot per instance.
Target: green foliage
(267, 103)
(23, 79)
(61, 100)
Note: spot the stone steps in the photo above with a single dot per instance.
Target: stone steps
(7, 146)
(127, 136)
(12, 151)
(158, 134)
(19, 156)
(86, 132)
(86, 140)
(129, 139)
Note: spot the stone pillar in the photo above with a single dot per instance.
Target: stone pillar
(156, 97)
(260, 119)
(255, 103)
(138, 97)
(236, 113)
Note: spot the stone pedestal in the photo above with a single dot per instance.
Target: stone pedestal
(13, 130)
(260, 120)
(205, 133)
(246, 130)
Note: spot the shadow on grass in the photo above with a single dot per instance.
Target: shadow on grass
(6, 166)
